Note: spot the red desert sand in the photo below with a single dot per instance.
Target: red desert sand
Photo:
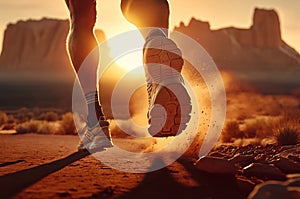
(48, 166)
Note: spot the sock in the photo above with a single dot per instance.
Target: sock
(95, 112)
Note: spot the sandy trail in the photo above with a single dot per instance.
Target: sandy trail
(48, 166)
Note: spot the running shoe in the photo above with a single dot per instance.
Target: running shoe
(169, 102)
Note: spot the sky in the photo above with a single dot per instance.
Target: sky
(220, 13)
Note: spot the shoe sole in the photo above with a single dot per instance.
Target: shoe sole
(177, 106)
(174, 118)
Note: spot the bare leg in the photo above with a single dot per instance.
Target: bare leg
(83, 47)
(81, 43)
(147, 13)
(163, 64)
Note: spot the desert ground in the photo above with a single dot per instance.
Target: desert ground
(48, 166)
(258, 145)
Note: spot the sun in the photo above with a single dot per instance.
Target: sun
(131, 61)
(126, 49)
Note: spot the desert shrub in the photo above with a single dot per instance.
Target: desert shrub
(24, 114)
(231, 131)
(67, 124)
(46, 128)
(49, 116)
(8, 126)
(31, 126)
(260, 128)
(255, 129)
(286, 135)
(10, 119)
(36, 112)
(35, 126)
(287, 129)
(292, 117)
(251, 130)
(21, 129)
(3, 118)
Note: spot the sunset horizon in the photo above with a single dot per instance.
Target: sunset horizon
(203, 104)
(219, 14)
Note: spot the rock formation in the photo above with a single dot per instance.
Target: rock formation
(36, 46)
(257, 53)
(34, 57)
(276, 189)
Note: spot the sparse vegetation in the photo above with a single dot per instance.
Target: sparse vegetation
(287, 130)
(259, 128)
(24, 115)
(10, 119)
(67, 124)
(244, 125)
(28, 127)
(40, 127)
(48, 128)
(231, 131)
(3, 118)
(41, 121)
(287, 135)
(49, 116)
(283, 129)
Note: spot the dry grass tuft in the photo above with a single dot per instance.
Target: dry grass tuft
(67, 124)
(286, 135)
(231, 131)
(287, 131)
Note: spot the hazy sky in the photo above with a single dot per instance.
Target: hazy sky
(220, 13)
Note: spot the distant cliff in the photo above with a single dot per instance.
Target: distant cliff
(36, 46)
(34, 58)
(257, 54)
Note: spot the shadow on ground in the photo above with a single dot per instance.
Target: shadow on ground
(161, 184)
(10, 163)
(13, 183)
(155, 185)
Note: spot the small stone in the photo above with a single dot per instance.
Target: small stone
(264, 171)
(287, 166)
(216, 165)
(269, 190)
(245, 185)
(242, 160)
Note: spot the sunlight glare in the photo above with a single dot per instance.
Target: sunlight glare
(131, 59)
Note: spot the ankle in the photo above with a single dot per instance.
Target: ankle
(95, 113)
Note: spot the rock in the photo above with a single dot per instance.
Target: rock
(260, 158)
(259, 49)
(242, 160)
(293, 182)
(216, 165)
(38, 46)
(266, 28)
(277, 190)
(245, 185)
(264, 171)
(286, 165)
(217, 154)
(292, 150)
(293, 176)
(294, 158)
